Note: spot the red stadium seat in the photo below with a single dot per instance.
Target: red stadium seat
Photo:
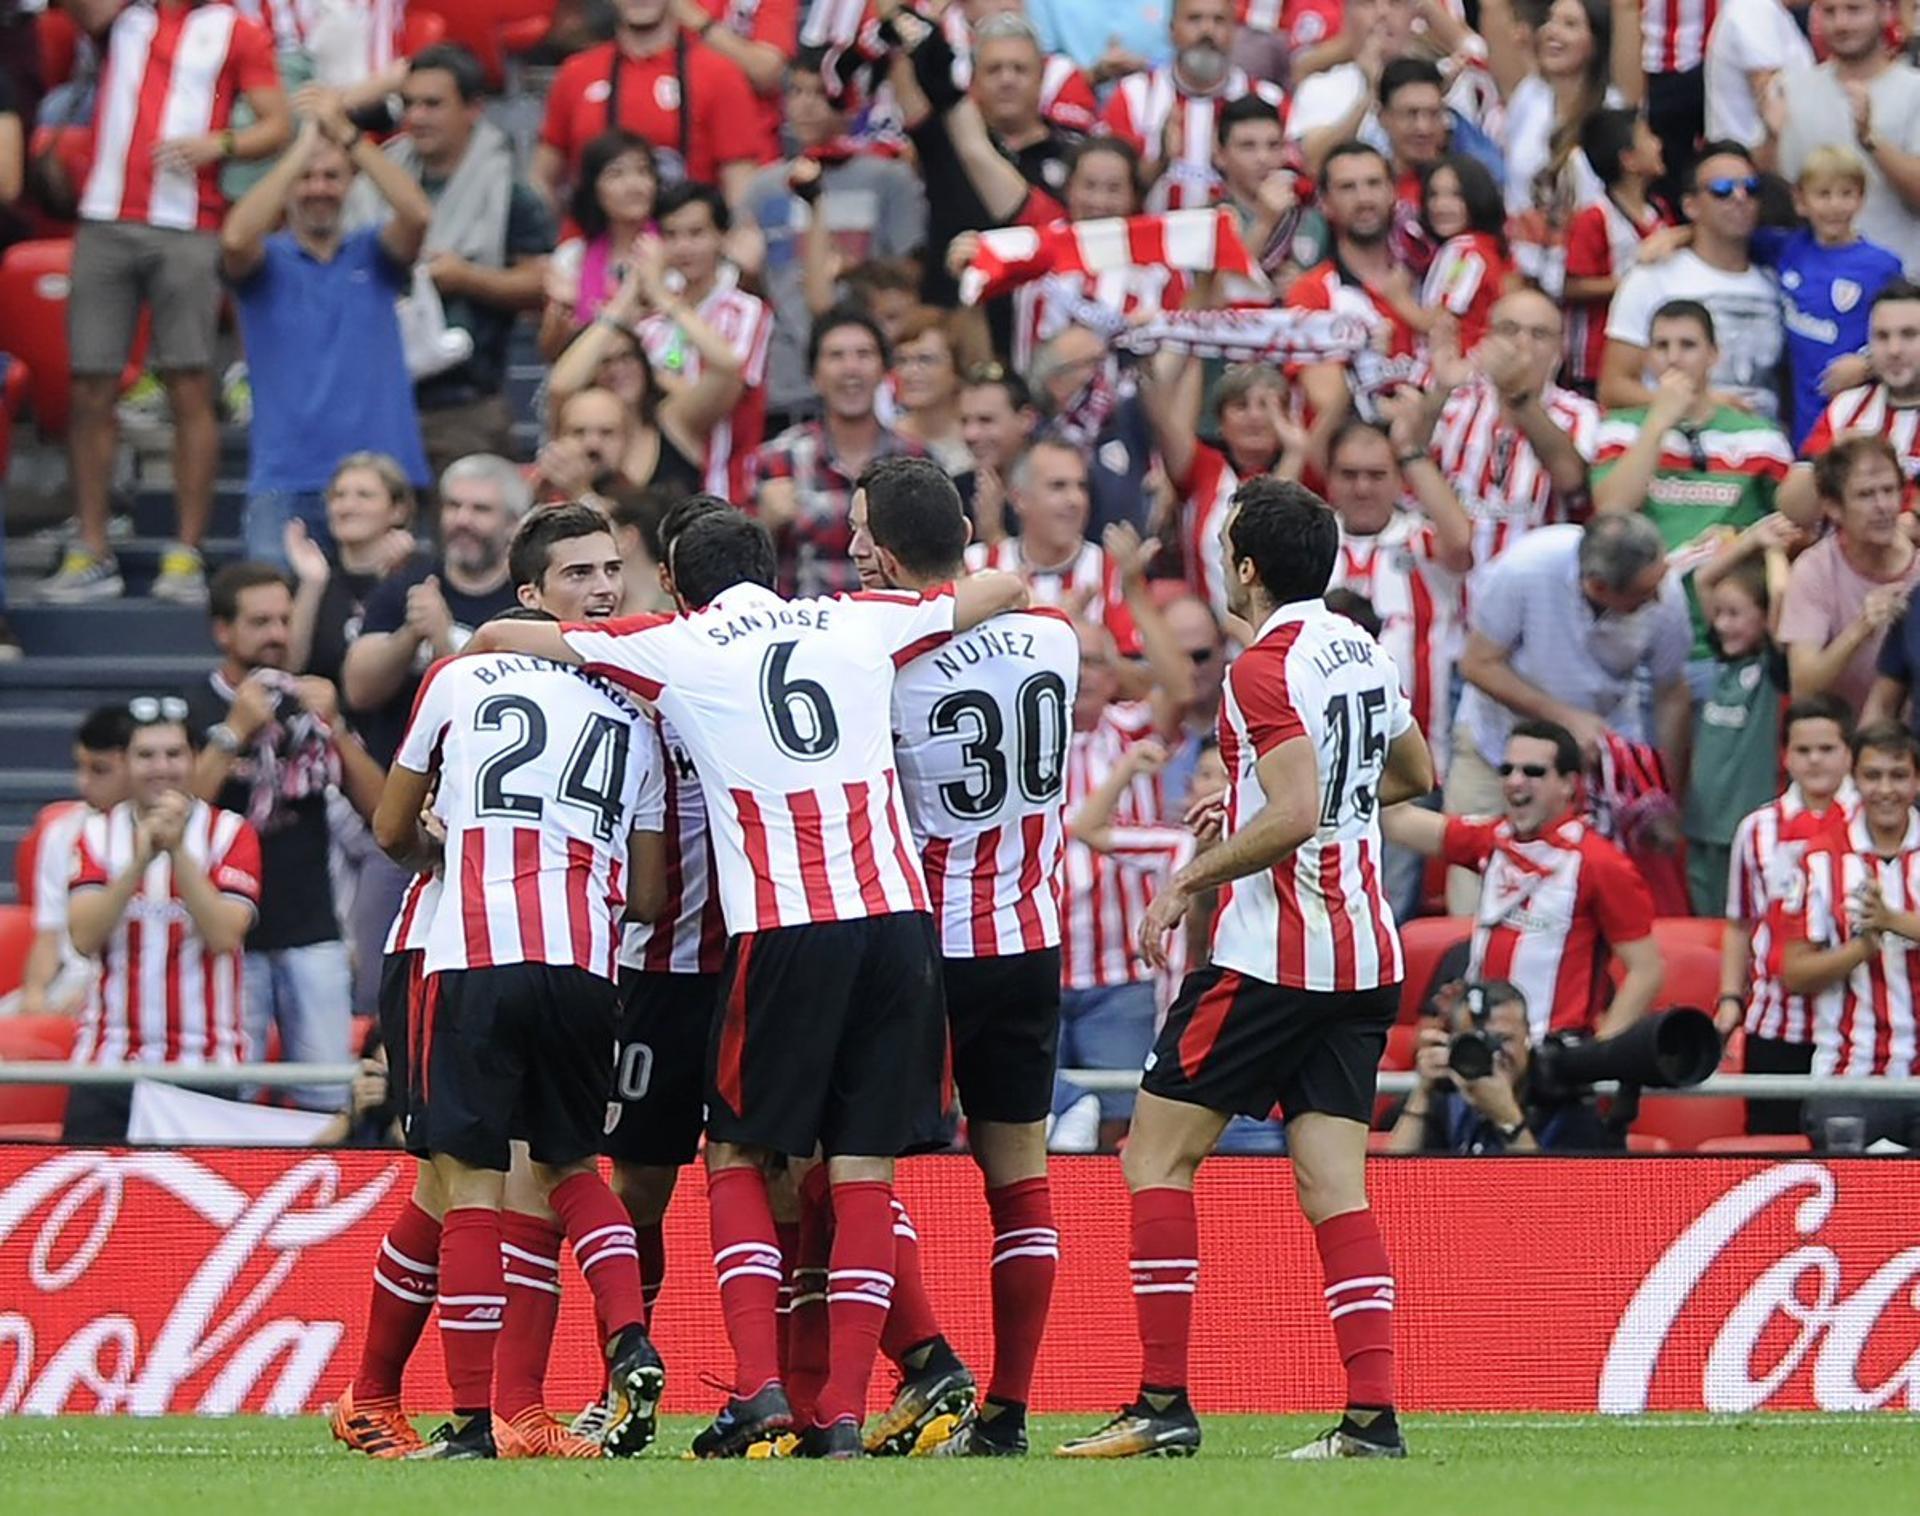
(421, 31)
(1640, 1142)
(1686, 1121)
(1401, 1042)
(35, 279)
(29, 1039)
(13, 398)
(1425, 942)
(1765, 1142)
(33, 1112)
(1377, 1141)
(1433, 888)
(58, 42)
(1706, 931)
(16, 939)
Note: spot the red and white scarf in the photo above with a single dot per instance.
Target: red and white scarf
(1191, 241)
(1276, 334)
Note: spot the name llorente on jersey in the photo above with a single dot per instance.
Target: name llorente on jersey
(974, 648)
(813, 618)
(1338, 654)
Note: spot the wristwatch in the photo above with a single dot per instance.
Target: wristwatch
(1407, 460)
(223, 739)
(1510, 1134)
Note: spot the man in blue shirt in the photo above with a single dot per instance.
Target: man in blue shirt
(324, 355)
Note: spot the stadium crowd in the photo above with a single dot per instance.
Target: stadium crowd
(1606, 360)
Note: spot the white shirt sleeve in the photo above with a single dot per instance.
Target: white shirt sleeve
(1630, 318)
(630, 651)
(428, 723)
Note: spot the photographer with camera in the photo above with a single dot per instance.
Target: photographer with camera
(1475, 1097)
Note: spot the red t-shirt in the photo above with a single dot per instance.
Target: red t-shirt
(722, 120)
(774, 22)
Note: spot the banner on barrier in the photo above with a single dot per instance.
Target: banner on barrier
(219, 1281)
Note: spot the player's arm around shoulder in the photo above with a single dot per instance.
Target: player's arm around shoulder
(537, 639)
(989, 593)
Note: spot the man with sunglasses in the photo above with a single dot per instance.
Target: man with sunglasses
(1556, 895)
(1716, 270)
(164, 889)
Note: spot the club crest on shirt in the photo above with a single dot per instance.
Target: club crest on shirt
(666, 92)
(1846, 295)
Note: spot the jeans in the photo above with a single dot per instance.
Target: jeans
(265, 523)
(376, 901)
(1107, 1028)
(307, 993)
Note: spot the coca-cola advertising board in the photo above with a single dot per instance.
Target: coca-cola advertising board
(220, 1281)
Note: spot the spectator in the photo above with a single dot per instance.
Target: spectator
(695, 106)
(612, 207)
(270, 746)
(164, 890)
(758, 38)
(1413, 125)
(1885, 396)
(1717, 270)
(1845, 591)
(55, 980)
(694, 222)
(1496, 1113)
(1688, 462)
(807, 473)
(1605, 236)
(1864, 95)
(997, 419)
(1847, 948)
(315, 401)
(1195, 631)
(485, 248)
(1051, 550)
(1093, 407)
(927, 365)
(13, 144)
(1564, 627)
(369, 513)
(1066, 94)
(1558, 897)
(1753, 49)
(1470, 267)
(147, 216)
(1260, 185)
(859, 205)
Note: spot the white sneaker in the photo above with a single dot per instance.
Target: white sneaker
(182, 579)
(83, 576)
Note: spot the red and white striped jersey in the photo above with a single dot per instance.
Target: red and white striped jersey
(1494, 469)
(1673, 34)
(347, 40)
(1869, 408)
(1107, 894)
(1763, 881)
(1325, 288)
(690, 937)
(1138, 111)
(746, 322)
(1467, 275)
(1603, 242)
(1045, 308)
(543, 774)
(161, 997)
(1550, 907)
(1418, 601)
(411, 923)
(1317, 920)
(1864, 1026)
(170, 71)
(1089, 572)
(786, 709)
(980, 726)
(43, 862)
(1206, 500)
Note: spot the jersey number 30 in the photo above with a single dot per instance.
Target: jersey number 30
(592, 780)
(1038, 759)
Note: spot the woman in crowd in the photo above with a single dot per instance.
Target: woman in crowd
(927, 365)
(369, 511)
(613, 208)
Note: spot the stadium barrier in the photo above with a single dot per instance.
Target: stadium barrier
(218, 1281)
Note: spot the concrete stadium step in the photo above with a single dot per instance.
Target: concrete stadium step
(10, 838)
(155, 514)
(24, 791)
(37, 737)
(150, 628)
(80, 683)
(33, 558)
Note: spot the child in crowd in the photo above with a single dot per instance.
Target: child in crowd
(1462, 210)
(1604, 238)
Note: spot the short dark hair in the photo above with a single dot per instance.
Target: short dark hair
(1607, 138)
(1403, 72)
(230, 583)
(105, 729)
(523, 613)
(1353, 147)
(1686, 310)
(719, 551)
(640, 506)
(1247, 107)
(1357, 426)
(1289, 534)
(843, 316)
(469, 78)
(914, 512)
(996, 375)
(1356, 607)
(1719, 147)
(545, 528)
(1567, 760)
(584, 206)
(1822, 707)
(688, 192)
(1896, 289)
(681, 515)
(1886, 737)
(1833, 468)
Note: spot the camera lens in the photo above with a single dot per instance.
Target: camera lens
(1470, 1055)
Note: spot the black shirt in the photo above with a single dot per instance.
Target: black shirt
(386, 611)
(337, 621)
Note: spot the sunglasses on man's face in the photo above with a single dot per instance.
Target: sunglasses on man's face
(148, 709)
(1531, 770)
(1722, 189)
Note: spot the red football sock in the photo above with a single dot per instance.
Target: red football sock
(530, 1269)
(746, 1261)
(1359, 1277)
(807, 1325)
(1166, 1268)
(601, 1235)
(788, 1233)
(406, 1277)
(910, 1319)
(472, 1301)
(859, 1287)
(1026, 1255)
(651, 1239)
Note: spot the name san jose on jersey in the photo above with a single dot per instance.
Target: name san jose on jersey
(980, 728)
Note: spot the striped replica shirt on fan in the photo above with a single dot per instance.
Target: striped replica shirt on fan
(1865, 1025)
(1550, 907)
(1206, 500)
(1088, 573)
(746, 323)
(1138, 111)
(689, 937)
(1494, 469)
(1418, 601)
(1673, 34)
(543, 774)
(169, 72)
(980, 729)
(786, 709)
(1869, 408)
(1317, 920)
(1467, 275)
(1603, 242)
(1763, 886)
(1107, 894)
(347, 40)
(161, 997)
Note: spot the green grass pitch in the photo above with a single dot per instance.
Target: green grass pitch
(1472, 1465)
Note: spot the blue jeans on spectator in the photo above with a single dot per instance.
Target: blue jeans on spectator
(264, 524)
(1107, 1028)
(307, 992)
